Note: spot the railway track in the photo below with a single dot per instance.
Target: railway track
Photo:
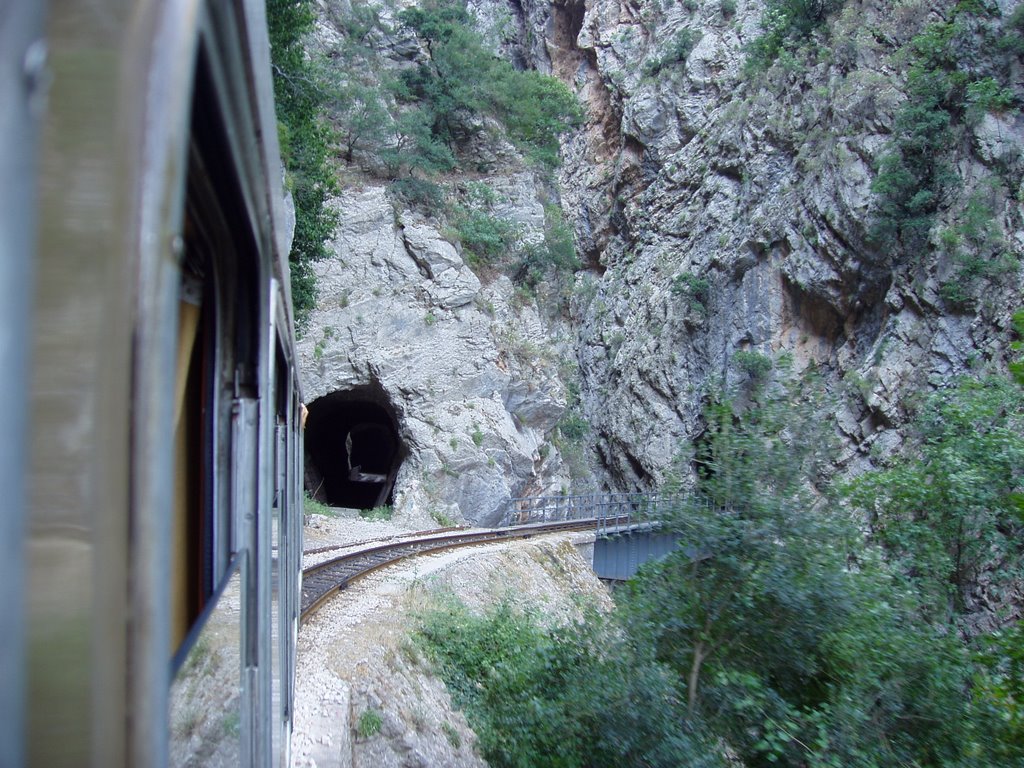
(321, 582)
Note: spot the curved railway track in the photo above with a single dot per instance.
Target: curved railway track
(322, 581)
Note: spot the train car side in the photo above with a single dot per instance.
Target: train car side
(162, 501)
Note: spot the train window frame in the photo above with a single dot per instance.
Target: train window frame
(226, 254)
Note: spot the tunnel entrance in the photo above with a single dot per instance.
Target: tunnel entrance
(353, 451)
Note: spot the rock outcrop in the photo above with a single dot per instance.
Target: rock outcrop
(467, 371)
(717, 210)
(722, 211)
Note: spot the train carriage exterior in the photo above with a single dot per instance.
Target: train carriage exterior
(150, 445)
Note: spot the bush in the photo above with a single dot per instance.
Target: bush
(697, 290)
(917, 174)
(377, 513)
(418, 193)
(306, 144)
(754, 365)
(950, 508)
(370, 723)
(796, 643)
(571, 698)
(678, 52)
(462, 79)
(785, 24)
(485, 238)
(573, 426)
(555, 255)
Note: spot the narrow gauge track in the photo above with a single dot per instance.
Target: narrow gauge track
(322, 581)
(404, 537)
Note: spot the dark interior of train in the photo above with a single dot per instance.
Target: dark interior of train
(353, 450)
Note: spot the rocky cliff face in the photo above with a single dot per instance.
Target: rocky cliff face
(723, 211)
(718, 210)
(463, 367)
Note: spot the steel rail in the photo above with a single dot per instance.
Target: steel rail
(320, 582)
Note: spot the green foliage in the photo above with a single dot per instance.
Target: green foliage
(797, 644)
(452, 735)
(778, 635)
(986, 95)
(358, 111)
(678, 52)
(1012, 40)
(416, 148)
(916, 176)
(573, 426)
(383, 512)
(535, 109)
(370, 723)
(486, 239)
(571, 698)
(305, 144)
(998, 693)
(696, 290)
(755, 366)
(418, 193)
(462, 80)
(785, 25)
(975, 244)
(443, 519)
(951, 507)
(1017, 346)
(313, 507)
(556, 255)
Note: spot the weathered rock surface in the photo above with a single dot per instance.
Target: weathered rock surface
(465, 370)
(716, 211)
(762, 187)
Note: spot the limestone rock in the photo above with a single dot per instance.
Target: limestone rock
(399, 308)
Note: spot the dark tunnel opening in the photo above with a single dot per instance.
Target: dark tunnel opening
(353, 451)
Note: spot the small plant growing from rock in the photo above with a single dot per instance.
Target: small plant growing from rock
(370, 723)
(754, 364)
(696, 290)
(477, 435)
(452, 735)
(443, 519)
(382, 512)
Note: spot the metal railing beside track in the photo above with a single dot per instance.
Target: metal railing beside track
(607, 514)
(610, 511)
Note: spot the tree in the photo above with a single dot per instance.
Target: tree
(951, 507)
(305, 144)
(794, 640)
(461, 80)
(360, 115)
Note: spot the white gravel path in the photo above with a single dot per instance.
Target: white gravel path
(354, 654)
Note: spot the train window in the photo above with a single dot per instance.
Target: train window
(217, 365)
(353, 448)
